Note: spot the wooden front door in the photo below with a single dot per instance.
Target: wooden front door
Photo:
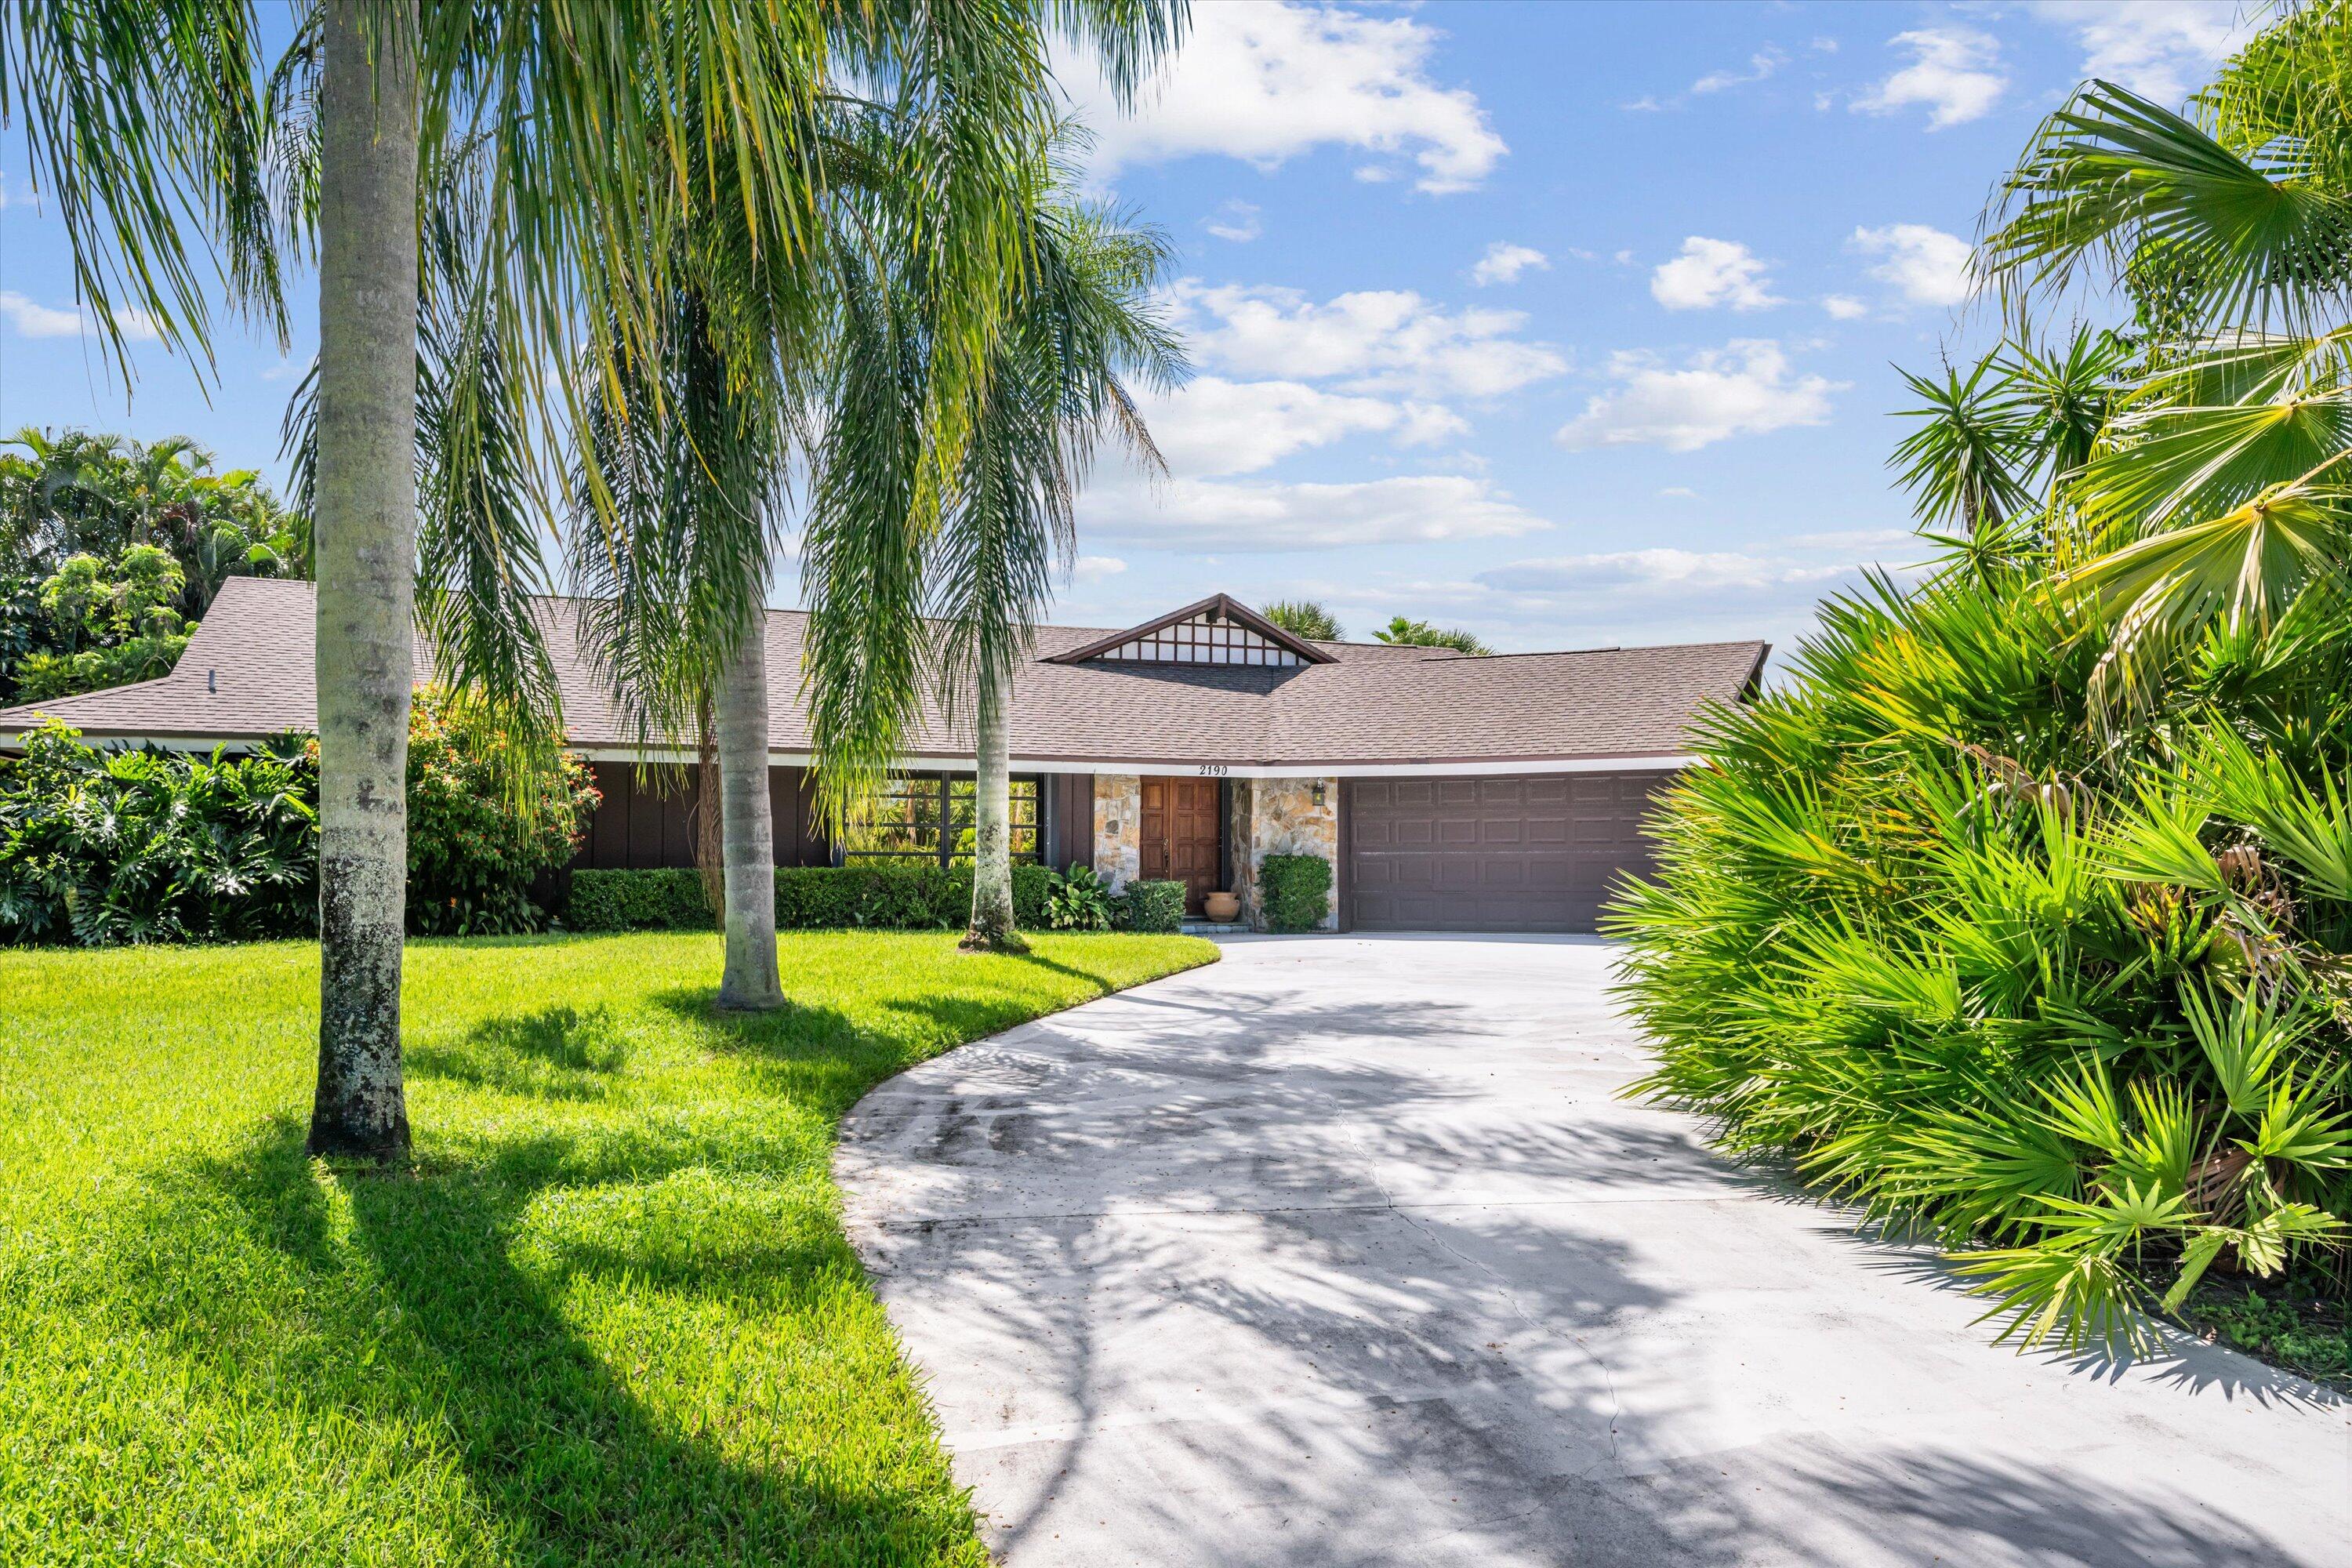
(1180, 832)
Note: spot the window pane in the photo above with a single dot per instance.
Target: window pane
(905, 822)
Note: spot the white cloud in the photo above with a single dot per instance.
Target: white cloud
(1954, 72)
(1096, 568)
(1928, 266)
(1668, 593)
(1761, 64)
(1679, 492)
(1265, 83)
(1643, 105)
(1212, 426)
(34, 319)
(1676, 571)
(1744, 388)
(1711, 272)
(1236, 220)
(2158, 48)
(1367, 340)
(1844, 307)
(1504, 262)
(1264, 515)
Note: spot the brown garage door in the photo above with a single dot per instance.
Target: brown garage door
(1518, 852)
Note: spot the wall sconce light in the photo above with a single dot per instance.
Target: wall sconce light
(1319, 793)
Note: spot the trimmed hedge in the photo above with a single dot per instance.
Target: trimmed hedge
(1296, 890)
(881, 896)
(638, 901)
(877, 896)
(1156, 908)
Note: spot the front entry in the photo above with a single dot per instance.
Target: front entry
(1180, 825)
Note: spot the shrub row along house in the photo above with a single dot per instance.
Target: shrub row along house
(1449, 792)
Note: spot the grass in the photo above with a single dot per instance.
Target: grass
(608, 1316)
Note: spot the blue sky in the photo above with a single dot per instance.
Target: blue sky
(1570, 325)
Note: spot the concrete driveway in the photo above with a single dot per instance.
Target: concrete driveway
(1344, 1251)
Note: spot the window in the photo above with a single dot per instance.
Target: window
(932, 816)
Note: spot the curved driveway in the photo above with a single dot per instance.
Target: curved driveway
(1343, 1251)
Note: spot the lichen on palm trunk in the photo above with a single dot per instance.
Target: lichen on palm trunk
(365, 504)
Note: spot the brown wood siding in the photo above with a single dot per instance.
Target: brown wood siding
(640, 828)
(1070, 828)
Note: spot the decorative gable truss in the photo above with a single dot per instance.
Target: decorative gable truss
(1202, 641)
(1217, 630)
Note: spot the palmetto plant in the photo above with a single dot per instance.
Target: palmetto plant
(2076, 1005)
(2024, 908)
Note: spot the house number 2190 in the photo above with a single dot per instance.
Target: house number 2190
(1212, 769)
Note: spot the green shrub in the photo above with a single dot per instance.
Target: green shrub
(1152, 906)
(1980, 959)
(1296, 891)
(106, 848)
(487, 819)
(663, 900)
(1077, 899)
(878, 895)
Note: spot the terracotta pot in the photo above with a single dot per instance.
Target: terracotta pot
(1221, 907)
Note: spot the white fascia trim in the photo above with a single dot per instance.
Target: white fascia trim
(14, 740)
(1641, 763)
(1196, 766)
(1371, 769)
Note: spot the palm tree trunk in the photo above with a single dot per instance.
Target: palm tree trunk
(366, 544)
(993, 927)
(749, 980)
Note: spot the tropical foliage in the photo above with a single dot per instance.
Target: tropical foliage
(2023, 908)
(490, 816)
(111, 549)
(103, 849)
(1305, 618)
(1079, 900)
(1408, 632)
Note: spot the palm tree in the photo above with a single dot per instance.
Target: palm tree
(926, 179)
(1306, 618)
(2215, 490)
(145, 123)
(1406, 633)
(1081, 324)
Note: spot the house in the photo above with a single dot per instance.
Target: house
(1449, 792)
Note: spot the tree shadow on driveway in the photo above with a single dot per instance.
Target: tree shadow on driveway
(1239, 1270)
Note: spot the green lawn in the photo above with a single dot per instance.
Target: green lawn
(608, 1316)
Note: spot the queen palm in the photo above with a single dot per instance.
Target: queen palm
(146, 127)
(874, 361)
(1081, 326)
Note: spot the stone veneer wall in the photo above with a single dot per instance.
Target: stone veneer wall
(1279, 817)
(1119, 828)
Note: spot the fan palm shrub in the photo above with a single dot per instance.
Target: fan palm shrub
(2022, 908)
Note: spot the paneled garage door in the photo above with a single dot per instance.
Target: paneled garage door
(1518, 852)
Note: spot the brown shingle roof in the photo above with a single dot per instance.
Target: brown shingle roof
(249, 672)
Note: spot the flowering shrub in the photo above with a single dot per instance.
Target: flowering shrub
(487, 818)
